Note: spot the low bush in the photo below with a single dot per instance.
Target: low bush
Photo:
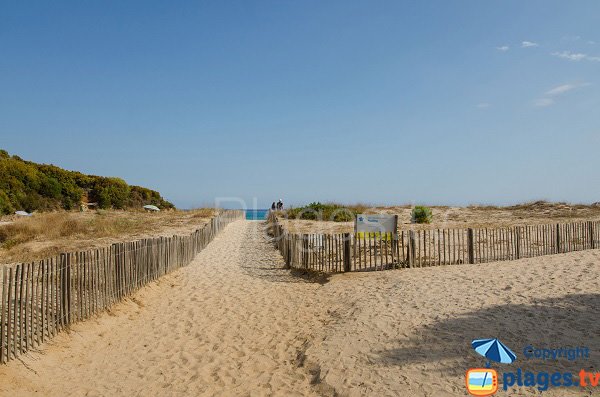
(5, 204)
(421, 214)
(325, 212)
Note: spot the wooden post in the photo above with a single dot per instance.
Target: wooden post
(19, 283)
(51, 297)
(518, 242)
(305, 251)
(9, 339)
(591, 234)
(4, 305)
(395, 258)
(64, 293)
(411, 248)
(290, 247)
(470, 245)
(26, 326)
(347, 253)
(558, 238)
(68, 287)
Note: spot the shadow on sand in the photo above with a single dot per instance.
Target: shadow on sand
(266, 262)
(568, 321)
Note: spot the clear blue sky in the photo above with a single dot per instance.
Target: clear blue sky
(440, 102)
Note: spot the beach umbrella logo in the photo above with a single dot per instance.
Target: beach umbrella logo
(494, 350)
(484, 381)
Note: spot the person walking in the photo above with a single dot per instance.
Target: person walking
(273, 207)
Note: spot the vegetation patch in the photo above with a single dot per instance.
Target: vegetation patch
(325, 212)
(47, 234)
(29, 186)
(421, 214)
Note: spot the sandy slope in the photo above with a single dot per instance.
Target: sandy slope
(235, 323)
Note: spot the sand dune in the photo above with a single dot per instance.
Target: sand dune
(235, 323)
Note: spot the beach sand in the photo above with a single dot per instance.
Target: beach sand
(236, 323)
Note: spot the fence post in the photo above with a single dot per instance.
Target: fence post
(347, 253)
(411, 248)
(470, 245)
(518, 242)
(64, 290)
(69, 300)
(3, 306)
(117, 269)
(591, 233)
(289, 246)
(305, 251)
(396, 263)
(558, 238)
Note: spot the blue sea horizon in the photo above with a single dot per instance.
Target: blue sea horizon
(257, 215)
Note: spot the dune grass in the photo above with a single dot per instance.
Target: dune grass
(25, 238)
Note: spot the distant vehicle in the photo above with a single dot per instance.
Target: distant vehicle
(151, 208)
(22, 213)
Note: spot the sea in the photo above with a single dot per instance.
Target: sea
(257, 215)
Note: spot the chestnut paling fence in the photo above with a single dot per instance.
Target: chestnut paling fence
(419, 248)
(40, 299)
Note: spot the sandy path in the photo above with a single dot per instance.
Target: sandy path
(231, 323)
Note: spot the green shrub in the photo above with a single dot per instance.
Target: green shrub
(140, 196)
(5, 204)
(111, 193)
(325, 212)
(50, 187)
(421, 214)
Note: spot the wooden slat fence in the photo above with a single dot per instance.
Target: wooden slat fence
(40, 299)
(433, 247)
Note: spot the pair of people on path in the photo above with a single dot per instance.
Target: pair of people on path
(278, 206)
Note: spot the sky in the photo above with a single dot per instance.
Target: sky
(379, 102)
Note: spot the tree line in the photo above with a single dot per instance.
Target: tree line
(28, 186)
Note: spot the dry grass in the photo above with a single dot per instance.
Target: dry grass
(202, 212)
(537, 212)
(47, 234)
